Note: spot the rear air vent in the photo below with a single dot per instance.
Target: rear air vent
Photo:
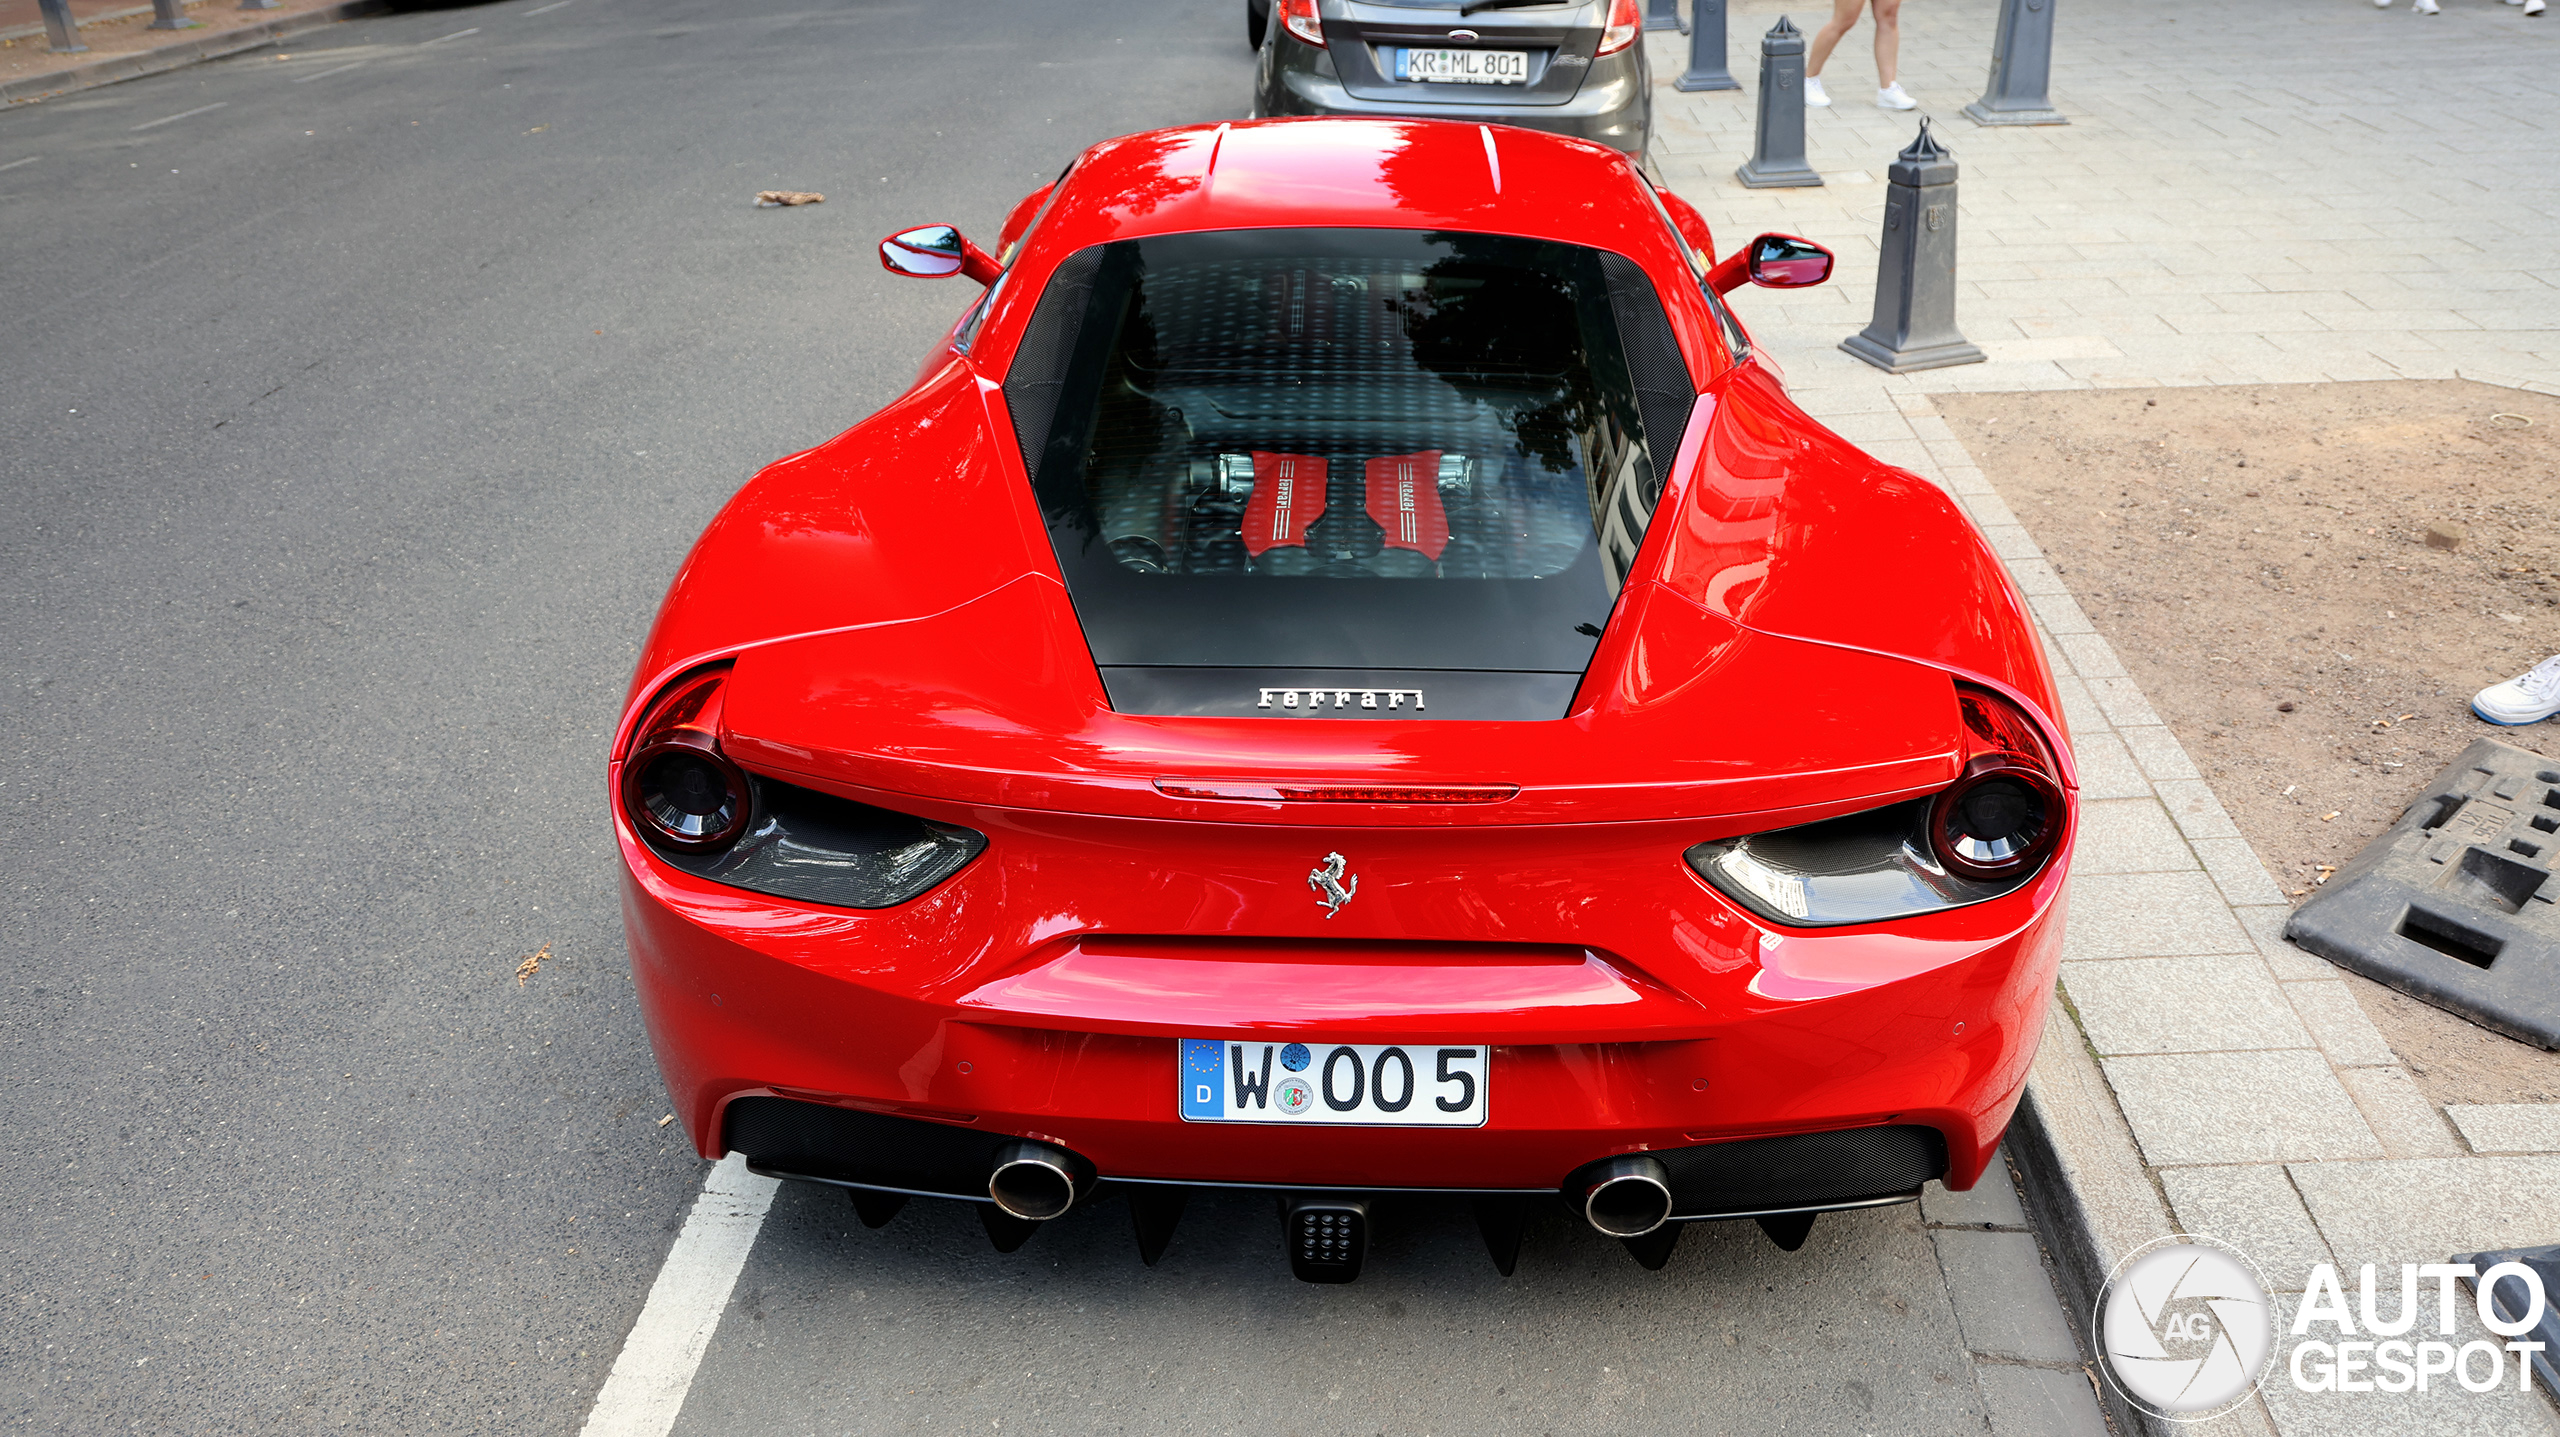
(2487, 877)
(2452, 938)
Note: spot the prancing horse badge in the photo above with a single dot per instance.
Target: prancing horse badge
(1331, 891)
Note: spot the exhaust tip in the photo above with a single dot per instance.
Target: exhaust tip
(1627, 1196)
(1033, 1181)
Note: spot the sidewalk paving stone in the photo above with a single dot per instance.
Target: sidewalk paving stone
(2038, 1401)
(2129, 835)
(2255, 1209)
(2508, 1127)
(2148, 915)
(2255, 1107)
(2235, 866)
(1984, 1272)
(2405, 1209)
(2183, 1005)
(2407, 1124)
(2107, 771)
(2328, 1008)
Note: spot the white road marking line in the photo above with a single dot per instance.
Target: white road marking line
(173, 119)
(456, 35)
(547, 9)
(655, 1371)
(31, 159)
(325, 74)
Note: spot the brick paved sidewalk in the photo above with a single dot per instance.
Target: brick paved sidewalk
(2283, 191)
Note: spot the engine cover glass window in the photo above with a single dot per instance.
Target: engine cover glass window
(1359, 448)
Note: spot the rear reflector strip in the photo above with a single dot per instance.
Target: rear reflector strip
(1336, 792)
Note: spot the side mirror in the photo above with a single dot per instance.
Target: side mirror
(936, 252)
(1777, 261)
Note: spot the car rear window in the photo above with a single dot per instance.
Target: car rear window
(1311, 424)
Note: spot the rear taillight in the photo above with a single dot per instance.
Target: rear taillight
(2004, 814)
(677, 787)
(1624, 22)
(1299, 18)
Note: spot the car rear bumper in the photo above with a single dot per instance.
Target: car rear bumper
(1610, 109)
(930, 1019)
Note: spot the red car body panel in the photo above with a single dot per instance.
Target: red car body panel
(1784, 649)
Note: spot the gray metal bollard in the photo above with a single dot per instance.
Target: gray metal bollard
(1706, 51)
(1663, 15)
(2021, 69)
(1777, 152)
(1915, 320)
(170, 15)
(61, 32)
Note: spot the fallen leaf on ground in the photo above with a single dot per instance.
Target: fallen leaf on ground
(779, 199)
(532, 964)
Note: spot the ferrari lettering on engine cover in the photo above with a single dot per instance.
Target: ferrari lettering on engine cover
(1340, 698)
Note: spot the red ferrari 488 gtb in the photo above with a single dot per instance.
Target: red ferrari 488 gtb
(1346, 676)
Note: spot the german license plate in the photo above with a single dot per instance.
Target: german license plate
(1417, 1085)
(1463, 67)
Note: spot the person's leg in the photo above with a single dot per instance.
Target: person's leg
(1889, 50)
(1844, 13)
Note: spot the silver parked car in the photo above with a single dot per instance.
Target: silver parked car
(1574, 67)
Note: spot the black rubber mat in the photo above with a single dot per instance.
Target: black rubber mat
(2455, 904)
(2512, 1301)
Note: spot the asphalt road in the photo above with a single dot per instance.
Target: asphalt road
(361, 398)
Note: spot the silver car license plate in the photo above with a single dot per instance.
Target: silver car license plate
(1421, 1085)
(1463, 67)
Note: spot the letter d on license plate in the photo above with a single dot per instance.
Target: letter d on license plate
(1418, 1085)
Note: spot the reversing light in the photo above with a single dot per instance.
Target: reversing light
(1624, 22)
(1299, 18)
(677, 787)
(2003, 815)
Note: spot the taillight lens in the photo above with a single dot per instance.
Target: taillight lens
(677, 787)
(2003, 815)
(1624, 23)
(1298, 17)
(1983, 836)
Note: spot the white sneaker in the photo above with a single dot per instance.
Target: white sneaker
(2533, 7)
(2381, 4)
(1892, 98)
(1815, 96)
(2526, 698)
(2425, 7)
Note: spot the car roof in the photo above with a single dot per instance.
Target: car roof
(1388, 173)
(1343, 173)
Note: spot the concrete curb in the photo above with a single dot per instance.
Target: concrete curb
(2085, 1186)
(179, 54)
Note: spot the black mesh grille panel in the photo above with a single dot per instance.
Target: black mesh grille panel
(813, 1140)
(1039, 371)
(1660, 375)
(1803, 1170)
